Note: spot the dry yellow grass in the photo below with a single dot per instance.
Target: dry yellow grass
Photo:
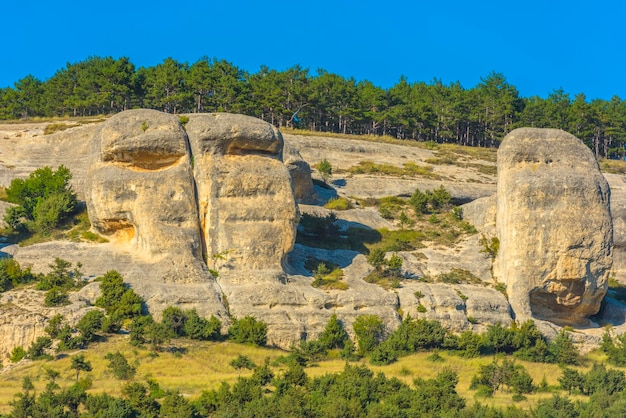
(206, 364)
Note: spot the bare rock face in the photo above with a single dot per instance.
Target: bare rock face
(178, 198)
(245, 196)
(300, 172)
(139, 191)
(23, 317)
(554, 225)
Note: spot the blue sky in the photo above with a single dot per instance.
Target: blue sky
(539, 46)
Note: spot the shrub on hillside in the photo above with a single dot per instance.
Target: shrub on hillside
(119, 366)
(248, 330)
(43, 200)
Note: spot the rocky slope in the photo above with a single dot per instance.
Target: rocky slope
(226, 172)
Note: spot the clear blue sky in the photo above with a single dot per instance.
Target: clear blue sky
(539, 46)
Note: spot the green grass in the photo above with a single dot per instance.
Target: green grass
(57, 127)
(463, 153)
(81, 120)
(454, 276)
(81, 230)
(444, 229)
(616, 289)
(330, 280)
(409, 169)
(459, 161)
(339, 203)
(440, 229)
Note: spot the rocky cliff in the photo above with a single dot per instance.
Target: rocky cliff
(203, 214)
(554, 225)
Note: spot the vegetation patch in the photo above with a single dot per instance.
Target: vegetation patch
(409, 169)
(616, 289)
(454, 276)
(613, 166)
(81, 231)
(325, 169)
(57, 127)
(323, 232)
(339, 203)
(463, 153)
(490, 169)
(327, 275)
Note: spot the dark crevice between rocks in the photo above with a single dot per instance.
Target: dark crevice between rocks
(203, 245)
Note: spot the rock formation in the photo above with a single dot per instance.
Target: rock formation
(23, 316)
(245, 196)
(219, 192)
(300, 172)
(554, 225)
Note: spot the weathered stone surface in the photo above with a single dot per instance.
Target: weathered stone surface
(245, 198)
(300, 172)
(554, 225)
(23, 317)
(482, 214)
(458, 307)
(223, 195)
(139, 163)
(618, 213)
(20, 156)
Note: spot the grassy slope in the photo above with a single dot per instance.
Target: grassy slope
(206, 364)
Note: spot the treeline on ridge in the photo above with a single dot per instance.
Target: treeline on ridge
(326, 102)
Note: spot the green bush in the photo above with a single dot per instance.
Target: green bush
(248, 330)
(37, 349)
(334, 334)
(325, 169)
(89, 324)
(198, 328)
(62, 276)
(369, 331)
(17, 354)
(56, 297)
(43, 200)
(119, 366)
(430, 201)
(11, 274)
(118, 300)
(243, 362)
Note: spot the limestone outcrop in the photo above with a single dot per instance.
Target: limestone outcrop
(300, 172)
(554, 225)
(184, 197)
(23, 317)
(246, 202)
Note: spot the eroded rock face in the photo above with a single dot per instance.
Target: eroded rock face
(24, 317)
(139, 191)
(245, 196)
(300, 172)
(180, 198)
(554, 225)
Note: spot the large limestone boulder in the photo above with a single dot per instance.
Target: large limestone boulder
(246, 202)
(300, 172)
(139, 191)
(554, 225)
(179, 200)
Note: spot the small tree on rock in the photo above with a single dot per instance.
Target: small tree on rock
(325, 169)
